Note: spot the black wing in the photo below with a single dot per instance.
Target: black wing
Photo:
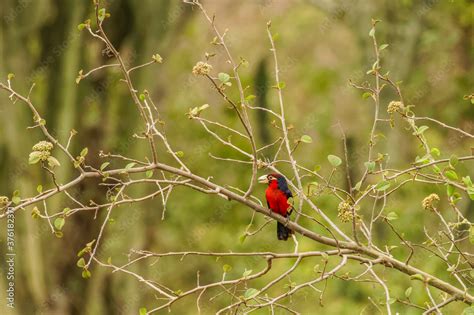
(283, 186)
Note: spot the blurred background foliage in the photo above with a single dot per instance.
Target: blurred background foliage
(321, 45)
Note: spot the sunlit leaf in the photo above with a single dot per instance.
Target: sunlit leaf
(334, 160)
(223, 77)
(53, 162)
(59, 223)
(104, 165)
(81, 263)
(382, 186)
(392, 216)
(227, 268)
(408, 292)
(251, 292)
(306, 139)
(34, 157)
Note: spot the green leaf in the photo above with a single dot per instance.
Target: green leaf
(370, 166)
(129, 166)
(251, 292)
(250, 97)
(420, 130)
(422, 160)
(372, 32)
(149, 173)
(59, 223)
(101, 15)
(450, 190)
(203, 107)
(470, 192)
(104, 165)
(451, 175)
(35, 157)
(10, 76)
(357, 186)
(16, 199)
(392, 300)
(435, 151)
(83, 251)
(81, 26)
(179, 154)
(142, 97)
(84, 152)
(58, 234)
(35, 214)
(223, 77)
(306, 139)
(334, 160)
(453, 160)
(81, 263)
(408, 292)
(280, 86)
(417, 277)
(468, 311)
(382, 186)
(53, 162)
(39, 189)
(242, 238)
(383, 46)
(247, 273)
(467, 181)
(366, 95)
(392, 216)
(142, 311)
(227, 268)
(86, 274)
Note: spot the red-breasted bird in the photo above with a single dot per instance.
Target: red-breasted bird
(277, 195)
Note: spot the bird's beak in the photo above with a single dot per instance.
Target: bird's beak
(263, 179)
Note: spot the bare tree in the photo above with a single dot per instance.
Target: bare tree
(363, 204)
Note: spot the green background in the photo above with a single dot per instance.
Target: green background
(321, 45)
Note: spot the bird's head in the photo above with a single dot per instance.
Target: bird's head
(269, 178)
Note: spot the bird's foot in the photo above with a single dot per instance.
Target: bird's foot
(290, 211)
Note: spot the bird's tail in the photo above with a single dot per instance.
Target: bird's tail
(283, 232)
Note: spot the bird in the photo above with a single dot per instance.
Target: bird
(277, 195)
